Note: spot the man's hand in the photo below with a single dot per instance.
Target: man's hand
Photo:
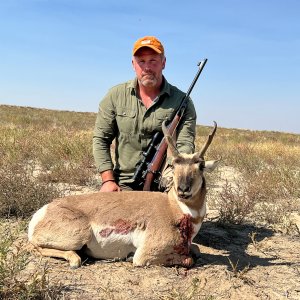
(108, 182)
(110, 186)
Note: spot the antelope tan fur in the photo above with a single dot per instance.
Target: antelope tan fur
(157, 227)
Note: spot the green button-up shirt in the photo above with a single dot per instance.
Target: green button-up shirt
(122, 116)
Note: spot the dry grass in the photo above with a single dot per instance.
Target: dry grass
(39, 148)
(14, 283)
(267, 188)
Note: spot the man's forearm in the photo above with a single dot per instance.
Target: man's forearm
(102, 155)
(107, 175)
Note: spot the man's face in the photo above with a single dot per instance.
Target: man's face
(148, 66)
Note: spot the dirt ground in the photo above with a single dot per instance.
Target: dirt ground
(236, 262)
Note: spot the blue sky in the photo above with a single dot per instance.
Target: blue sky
(65, 55)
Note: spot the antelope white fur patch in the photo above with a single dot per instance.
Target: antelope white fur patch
(184, 208)
(202, 211)
(37, 217)
(202, 214)
(114, 245)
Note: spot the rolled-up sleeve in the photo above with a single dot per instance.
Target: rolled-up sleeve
(104, 133)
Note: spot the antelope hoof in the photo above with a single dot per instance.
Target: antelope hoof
(74, 260)
(188, 262)
(75, 266)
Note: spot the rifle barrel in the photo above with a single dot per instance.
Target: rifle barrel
(153, 167)
(201, 65)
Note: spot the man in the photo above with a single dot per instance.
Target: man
(132, 112)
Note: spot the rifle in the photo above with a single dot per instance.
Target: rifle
(149, 166)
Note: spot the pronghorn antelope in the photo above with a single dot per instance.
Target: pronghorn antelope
(157, 227)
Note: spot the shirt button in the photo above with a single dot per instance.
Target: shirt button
(124, 113)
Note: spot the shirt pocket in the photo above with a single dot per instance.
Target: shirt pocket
(161, 116)
(125, 119)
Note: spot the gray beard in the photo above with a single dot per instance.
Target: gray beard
(149, 82)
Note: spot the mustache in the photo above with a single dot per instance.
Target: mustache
(147, 73)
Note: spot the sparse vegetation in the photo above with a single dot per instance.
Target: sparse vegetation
(20, 195)
(14, 283)
(45, 154)
(266, 188)
(38, 149)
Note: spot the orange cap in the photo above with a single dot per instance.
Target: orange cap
(150, 42)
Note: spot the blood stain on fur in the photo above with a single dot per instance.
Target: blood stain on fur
(119, 227)
(186, 230)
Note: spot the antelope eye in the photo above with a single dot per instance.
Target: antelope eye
(177, 160)
(197, 160)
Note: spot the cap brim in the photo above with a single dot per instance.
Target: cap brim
(147, 46)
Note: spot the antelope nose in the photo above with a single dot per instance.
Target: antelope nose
(184, 189)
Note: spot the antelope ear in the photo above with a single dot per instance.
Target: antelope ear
(210, 165)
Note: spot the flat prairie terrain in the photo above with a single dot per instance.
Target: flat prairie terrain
(249, 241)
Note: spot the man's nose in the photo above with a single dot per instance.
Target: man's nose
(147, 66)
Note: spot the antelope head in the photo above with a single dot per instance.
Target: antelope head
(188, 178)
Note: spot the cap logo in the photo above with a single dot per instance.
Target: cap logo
(145, 42)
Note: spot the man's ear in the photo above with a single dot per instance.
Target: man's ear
(164, 62)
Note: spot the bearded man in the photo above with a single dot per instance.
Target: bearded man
(132, 112)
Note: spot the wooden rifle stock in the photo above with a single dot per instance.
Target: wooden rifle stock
(159, 156)
(155, 165)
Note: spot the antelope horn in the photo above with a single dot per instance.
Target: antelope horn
(169, 139)
(208, 142)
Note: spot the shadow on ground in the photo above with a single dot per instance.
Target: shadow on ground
(228, 244)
